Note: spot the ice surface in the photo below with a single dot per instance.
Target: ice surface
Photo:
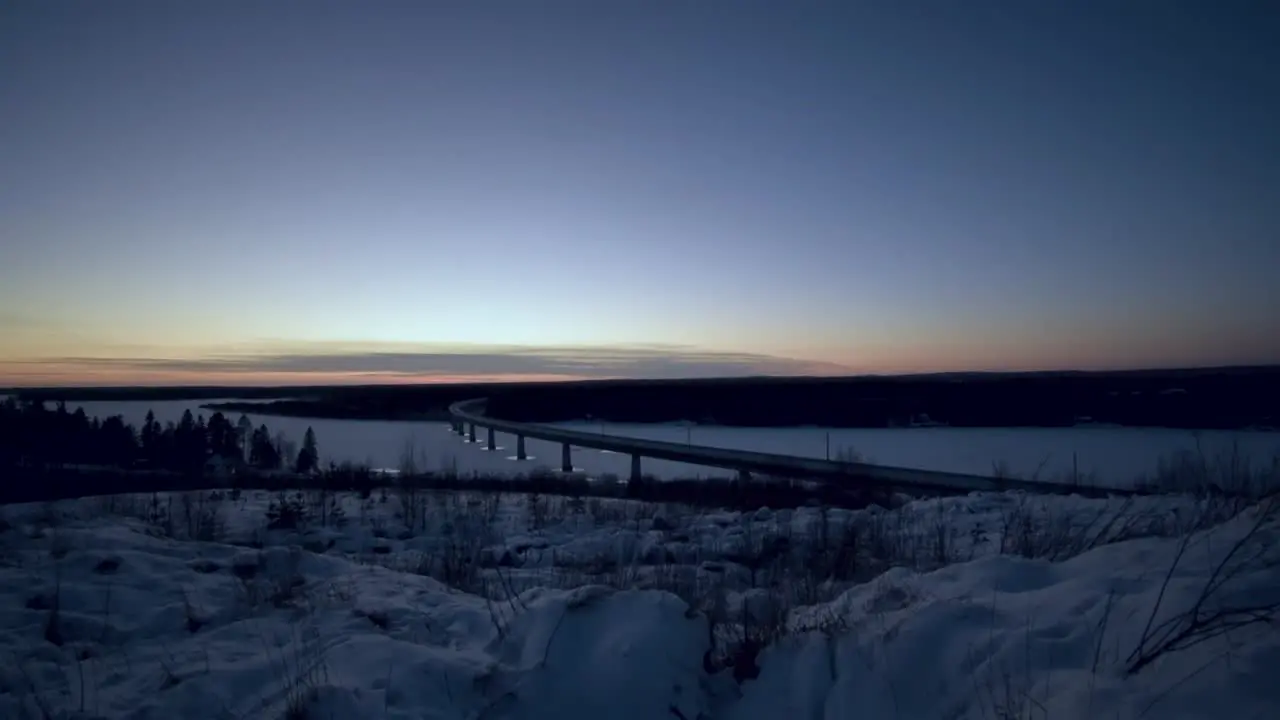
(1109, 456)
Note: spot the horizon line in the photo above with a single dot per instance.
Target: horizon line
(491, 380)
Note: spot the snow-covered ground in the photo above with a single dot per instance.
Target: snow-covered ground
(458, 605)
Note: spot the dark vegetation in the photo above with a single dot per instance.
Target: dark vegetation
(1185, 399)
(34, 438)
(335, 408)
(46, 484)
(1203, 399)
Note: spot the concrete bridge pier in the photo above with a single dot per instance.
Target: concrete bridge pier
(492, 445)
(635, 468)
(566, 458)
(520, 453)
(471, 433)
(744, 476)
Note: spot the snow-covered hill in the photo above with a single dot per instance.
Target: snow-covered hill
(479, 606)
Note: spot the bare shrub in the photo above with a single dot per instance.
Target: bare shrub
(821, 565)
(492, 506)
(300, 666)
(287, 511)
(53, 620)
(159, 515)
(33, 699)
(408, 486)
(503, 602)
(1222, 604)
(1005, 689)
(537, 509)
(456, 560)
(739, 632)
(1038, 527)
(1029, 529)
(1228, 473)
(679, 580)
(201, 516)
(263, 582)
(886, 538)
(942, 535)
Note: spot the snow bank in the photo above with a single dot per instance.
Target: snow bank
(150, 628)
(100, 617)
(1004, 637)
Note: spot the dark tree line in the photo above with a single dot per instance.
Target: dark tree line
(31, 434)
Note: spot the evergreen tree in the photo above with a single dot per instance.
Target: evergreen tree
(168, 446)
(151, 438)
(80, 437)
(188, 445)
(309, 455)
(223, 440)
(117, 443)
(200, 441)
(262, 451)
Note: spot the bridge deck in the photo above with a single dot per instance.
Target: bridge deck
(909, 479)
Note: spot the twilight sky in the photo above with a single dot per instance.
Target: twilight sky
(277, 192)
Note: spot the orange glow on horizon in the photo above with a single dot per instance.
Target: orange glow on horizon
(32, 374)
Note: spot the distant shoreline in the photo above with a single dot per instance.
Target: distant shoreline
(303, 410)
(320, 411)
(1208, 399)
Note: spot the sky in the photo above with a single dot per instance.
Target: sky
(304, 192)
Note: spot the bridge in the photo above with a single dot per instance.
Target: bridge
(467, 415)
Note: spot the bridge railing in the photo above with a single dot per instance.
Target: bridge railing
(470, 413)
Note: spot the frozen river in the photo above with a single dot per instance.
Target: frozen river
(1116, 455)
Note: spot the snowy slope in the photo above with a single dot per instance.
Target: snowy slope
(109, 611)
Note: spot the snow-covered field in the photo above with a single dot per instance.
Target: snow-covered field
(1108, 456)
(459, 605)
